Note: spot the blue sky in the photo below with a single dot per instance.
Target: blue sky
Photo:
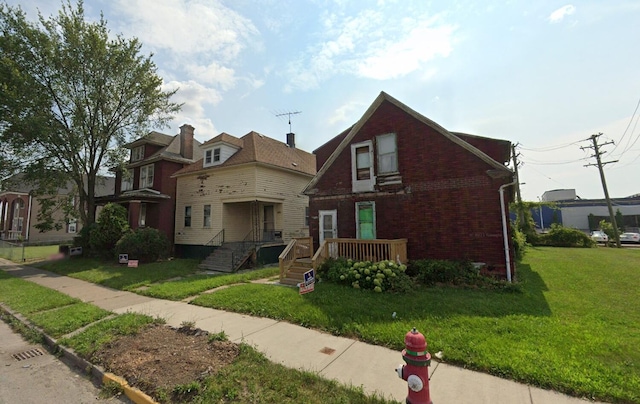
(545, 75)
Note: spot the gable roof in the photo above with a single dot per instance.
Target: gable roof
(258, 148)
(384, 97)
(153, 137)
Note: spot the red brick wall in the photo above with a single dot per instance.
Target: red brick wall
(447, 206)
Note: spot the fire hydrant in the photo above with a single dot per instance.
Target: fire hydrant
(416, 371)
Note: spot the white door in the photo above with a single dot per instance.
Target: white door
(328, 220)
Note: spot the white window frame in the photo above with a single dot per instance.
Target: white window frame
(208, 157)
(217, 153)
(72, 227)
(381, 156)
(206, 219)
(373, 207)
(142, 215)
(126, 183)
(365, 185)
(146, 176)
(137, 153)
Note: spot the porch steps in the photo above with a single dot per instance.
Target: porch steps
(218, 261)
(295, 274)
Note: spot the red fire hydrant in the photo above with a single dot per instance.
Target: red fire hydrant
(416, 370)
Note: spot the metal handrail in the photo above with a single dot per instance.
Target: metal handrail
(218, 239)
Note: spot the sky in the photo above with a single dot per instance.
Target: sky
(545, 75)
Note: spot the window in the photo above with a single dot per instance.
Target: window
(146, 176)
(216, 154)
(127, 180)
(362, 166)
(387, 154)
(207, 216)
(142, 216)
(366, 220)
(306, 216)
(73, 226)
(207, 157)
(187, 216)
(137, 153)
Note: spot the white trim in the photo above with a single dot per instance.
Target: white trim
(334, 223)
(367, 184)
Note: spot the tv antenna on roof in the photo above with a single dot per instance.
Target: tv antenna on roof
(289, 115)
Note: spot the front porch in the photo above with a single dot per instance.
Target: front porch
(298, 257)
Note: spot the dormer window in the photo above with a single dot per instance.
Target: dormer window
(137, 153)
(216, 154)
(208, 157)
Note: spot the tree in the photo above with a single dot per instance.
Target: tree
(110, 228)
(70, 97)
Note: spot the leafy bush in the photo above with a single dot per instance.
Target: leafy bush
(379, 276)
(112, 224)
(520, 243)
(145, 245)
(560, 236)
(82, 239)
(430, 272)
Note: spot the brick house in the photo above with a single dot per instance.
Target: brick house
(395, 174)
(145, 186)
(20, 207)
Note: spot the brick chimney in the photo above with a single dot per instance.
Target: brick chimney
(291, 140)
(186, 141)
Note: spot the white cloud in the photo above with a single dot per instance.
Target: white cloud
(194, 96)
(375, 44)
(343, 113)
(214, 73)
(188, 27)
(559, 14)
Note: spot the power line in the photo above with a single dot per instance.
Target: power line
(550, 148)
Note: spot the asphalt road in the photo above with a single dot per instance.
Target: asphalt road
(39, 377)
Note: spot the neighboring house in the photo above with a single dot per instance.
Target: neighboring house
(396, 174)
(145, 186)
(19, 210)
(244, 189)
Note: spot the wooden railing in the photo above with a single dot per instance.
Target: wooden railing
(300, 247)
(361, 250)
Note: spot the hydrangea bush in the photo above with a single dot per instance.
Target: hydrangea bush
(377, 276)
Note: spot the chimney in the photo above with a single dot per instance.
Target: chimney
(186, 141)
(291, 140)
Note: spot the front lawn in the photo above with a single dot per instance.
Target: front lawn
(120, 276)
(574, 328)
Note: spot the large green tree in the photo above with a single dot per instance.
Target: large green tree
(70, 97)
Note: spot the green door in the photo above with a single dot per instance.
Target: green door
(366, 221)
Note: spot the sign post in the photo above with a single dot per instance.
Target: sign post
(309, 282)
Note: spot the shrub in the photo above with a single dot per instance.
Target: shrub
(82, 239)
(145, 245)
(430, 272)
(377, 276)
(520, 243)
(560, 236)
(112, 224)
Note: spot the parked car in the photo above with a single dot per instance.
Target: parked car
(599, 236)
(630, 238)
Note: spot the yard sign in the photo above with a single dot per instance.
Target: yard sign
(309, 282)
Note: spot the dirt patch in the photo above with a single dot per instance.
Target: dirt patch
(162, 357)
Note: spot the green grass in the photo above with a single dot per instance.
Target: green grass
(27, 298)
(38, 252)
(574, 328)
(63, 320)
(120, 276)
(193, 285)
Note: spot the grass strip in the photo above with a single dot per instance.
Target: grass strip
(27, 297)
(63, 320)
(193, 285)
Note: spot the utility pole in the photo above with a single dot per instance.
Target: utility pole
(597, 154)
(518, 197)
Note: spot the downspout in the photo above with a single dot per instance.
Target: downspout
(29, 218)
(507, 256)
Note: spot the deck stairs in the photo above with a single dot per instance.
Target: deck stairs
(295, 274)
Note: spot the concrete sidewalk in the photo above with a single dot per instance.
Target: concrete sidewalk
(348, 361)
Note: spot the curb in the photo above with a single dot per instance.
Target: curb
(97, 372)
